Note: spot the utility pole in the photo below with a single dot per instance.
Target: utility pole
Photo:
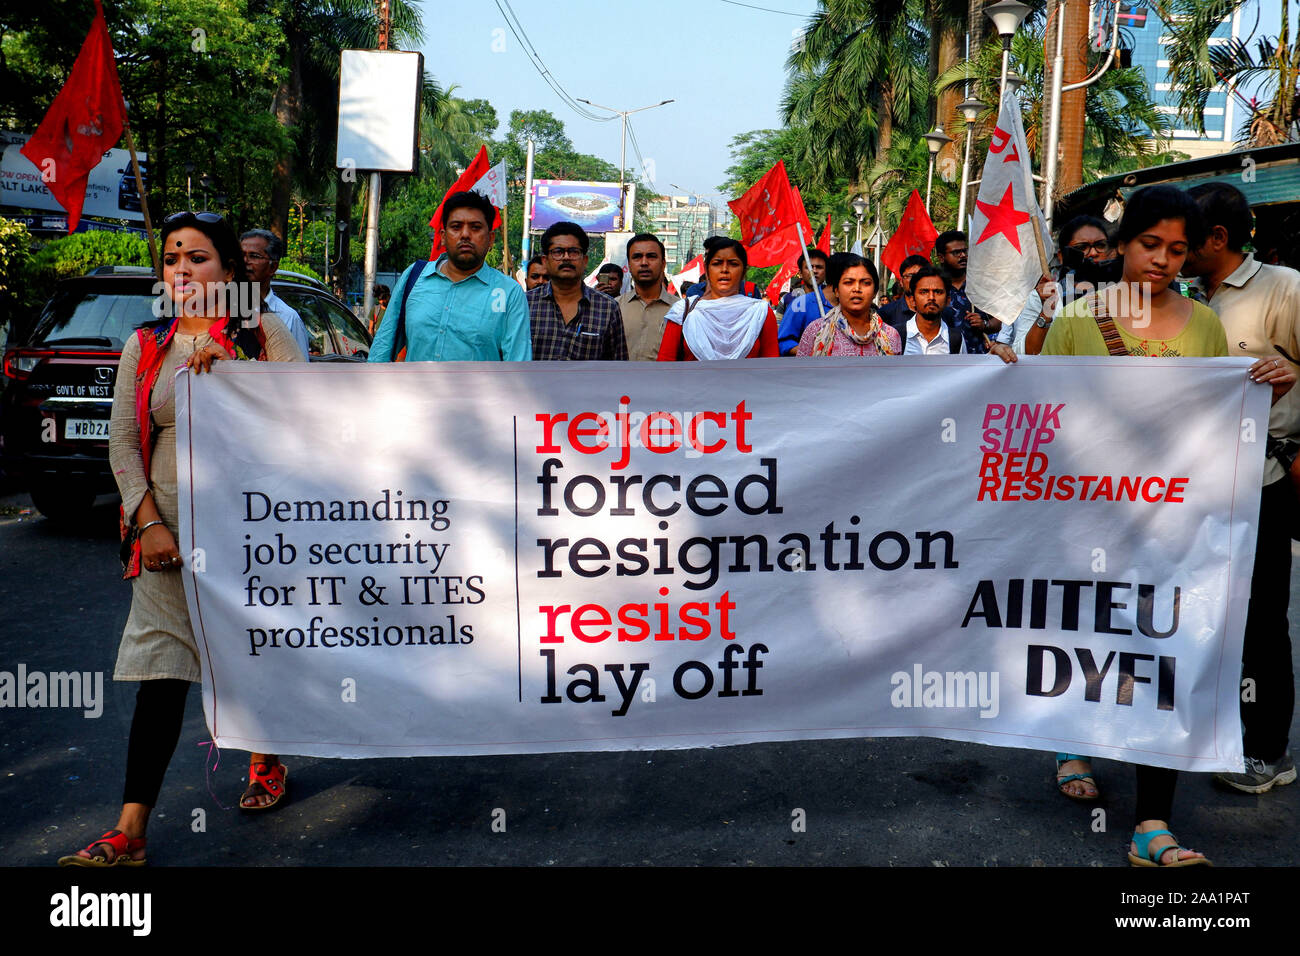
(372, 204)
(622, 151)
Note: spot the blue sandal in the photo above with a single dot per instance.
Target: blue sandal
(1062, 781)
(1143, 856)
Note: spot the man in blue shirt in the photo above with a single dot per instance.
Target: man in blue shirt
(805, 309)
(459, 310)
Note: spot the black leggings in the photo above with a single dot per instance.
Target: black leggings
(1155, 793)
(155, 729)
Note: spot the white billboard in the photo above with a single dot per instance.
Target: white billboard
(379, 106)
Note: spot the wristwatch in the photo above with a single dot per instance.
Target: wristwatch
(1042, 321)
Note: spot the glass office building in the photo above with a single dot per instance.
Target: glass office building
(1143, 32)
(682, 223)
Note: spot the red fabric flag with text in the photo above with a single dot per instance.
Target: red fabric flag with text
(915, 236)
(767, 207)
(85, 120)
(824, 242)
(777, 285)
(779, 248)
(464, 183)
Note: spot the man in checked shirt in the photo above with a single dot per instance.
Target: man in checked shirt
(570, 321)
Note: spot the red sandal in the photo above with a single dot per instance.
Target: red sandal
(121, 845)
(265, 779)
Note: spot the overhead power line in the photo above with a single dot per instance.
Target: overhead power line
(787, 13)
(521, 35)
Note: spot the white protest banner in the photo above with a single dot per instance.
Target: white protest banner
(460, 558)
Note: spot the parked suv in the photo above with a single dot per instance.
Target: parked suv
(58, 381)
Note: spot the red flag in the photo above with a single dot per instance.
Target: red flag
(778, 248)
(84, 121)
(915, 236)
(777, 285)
(824, 242)
(463, 183)
(803, 213)
(768, 206)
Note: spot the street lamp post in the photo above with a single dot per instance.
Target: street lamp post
(859, 210)
(622, 149)
(1007, 15)
(847, 227)
(935, 140)
(971, 108)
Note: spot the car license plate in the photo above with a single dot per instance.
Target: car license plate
(94, 428)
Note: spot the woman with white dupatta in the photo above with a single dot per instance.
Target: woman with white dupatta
(722, 323)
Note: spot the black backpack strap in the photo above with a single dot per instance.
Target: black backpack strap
(399, 334)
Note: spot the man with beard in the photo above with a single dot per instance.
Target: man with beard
(926, 332)
(457, 309)
(648, 301)
(953, 252)
(571, 322)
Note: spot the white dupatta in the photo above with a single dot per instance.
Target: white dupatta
(720, 328)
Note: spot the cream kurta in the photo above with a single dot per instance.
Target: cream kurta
(158, 641)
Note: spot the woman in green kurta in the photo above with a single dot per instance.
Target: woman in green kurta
(1142, 315)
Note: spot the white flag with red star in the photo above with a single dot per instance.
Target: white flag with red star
(1004, 264)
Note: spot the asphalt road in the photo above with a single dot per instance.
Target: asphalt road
(878, 802)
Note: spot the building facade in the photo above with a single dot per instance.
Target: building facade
(682, 223)
(1145, 34)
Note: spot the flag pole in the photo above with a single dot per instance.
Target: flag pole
(821, 307)
(505, 237)
(144, 198)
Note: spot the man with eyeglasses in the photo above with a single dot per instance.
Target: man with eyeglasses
(456, 309)
(571, 322)
(263, 251)
(954, 252)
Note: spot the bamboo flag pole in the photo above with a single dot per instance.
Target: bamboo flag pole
(140, 191)
(505, 237)
(821, 307)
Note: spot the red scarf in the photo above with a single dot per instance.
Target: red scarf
(239, 342)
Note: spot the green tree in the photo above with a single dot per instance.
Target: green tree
(859, 72)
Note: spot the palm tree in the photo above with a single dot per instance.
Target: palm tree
(859, 73)
(1196, 68)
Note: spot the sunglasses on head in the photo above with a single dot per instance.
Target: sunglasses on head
(189, 214)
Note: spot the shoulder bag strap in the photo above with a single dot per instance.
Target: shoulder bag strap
(399, 333)
(1105, 324)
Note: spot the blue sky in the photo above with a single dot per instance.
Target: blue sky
(723, 63)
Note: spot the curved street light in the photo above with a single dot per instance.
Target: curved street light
(1007, 15)
(971, 108)
(935, 140)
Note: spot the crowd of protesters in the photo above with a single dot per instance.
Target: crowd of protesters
(1114, 294)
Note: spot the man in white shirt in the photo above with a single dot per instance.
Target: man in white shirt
(926, 332)
(263, 251)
